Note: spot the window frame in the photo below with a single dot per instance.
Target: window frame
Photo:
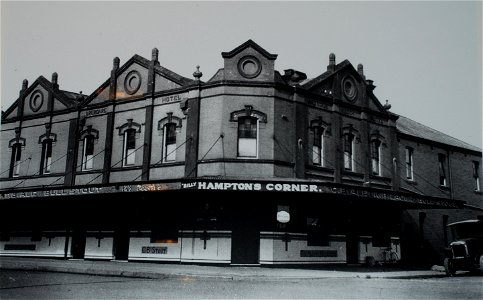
(257, 128)
(443, 180)
(127, 161)
(46, 159)
(476, 175)
(87, 162)
(409, 153)
(15, 160)
(166, 145)
(376, 144)
(348, 156)
(318, 136)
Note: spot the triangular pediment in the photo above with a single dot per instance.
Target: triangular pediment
(249, 44)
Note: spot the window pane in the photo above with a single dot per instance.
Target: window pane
(130, 157)
(47, 156)
(247, 128)
(16, 157)
(316, 155)
(170, 152)
(89, 144)
(170, 130)
(347, 161)
(131, 139)
(247, 147)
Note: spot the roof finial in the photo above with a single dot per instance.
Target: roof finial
(331, 66)
(360, 70)
(387, 106)
(25, 85)
(54, 80)
(154, 55)
(197, 74)
(54, 77)
(115, 63)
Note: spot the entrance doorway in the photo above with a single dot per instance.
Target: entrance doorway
(121, 244)
(245, 238)
(78, 244)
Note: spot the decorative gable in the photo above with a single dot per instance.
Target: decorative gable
(40, 98)
(249, 61)
(136, 78)
(343, 82)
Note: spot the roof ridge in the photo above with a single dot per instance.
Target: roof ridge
(440, 132)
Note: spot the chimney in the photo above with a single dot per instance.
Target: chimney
(331, 66)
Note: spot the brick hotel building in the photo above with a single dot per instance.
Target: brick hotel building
(252, 166)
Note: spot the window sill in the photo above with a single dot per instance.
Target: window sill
(444, 187)
(478, 192)
(411, 182)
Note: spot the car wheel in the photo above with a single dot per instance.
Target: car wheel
(448, 267)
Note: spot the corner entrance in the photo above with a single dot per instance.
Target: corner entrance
(121, 244)
(245, 238)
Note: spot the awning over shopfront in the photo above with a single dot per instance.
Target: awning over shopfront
(268, 186)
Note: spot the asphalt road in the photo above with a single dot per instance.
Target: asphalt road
(45, 285)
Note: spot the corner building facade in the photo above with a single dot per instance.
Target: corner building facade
(250, 167)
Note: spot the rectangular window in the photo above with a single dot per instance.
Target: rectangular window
(87, 158)
(170, 142)
(15, 161)
(46, 157)
(129, 147)
(442, 169)
(348, 150)
(318, 146)
(409, 163)
(476, 175)
(376, 157)
(247, 137)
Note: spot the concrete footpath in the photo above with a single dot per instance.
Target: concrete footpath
(163, 270)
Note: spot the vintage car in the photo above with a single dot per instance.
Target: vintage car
(465, 252)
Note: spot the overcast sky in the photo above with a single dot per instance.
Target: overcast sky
(424, 57)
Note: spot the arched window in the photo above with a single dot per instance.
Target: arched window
(128, 132)
(46, 159)
(247, 137)
(169, 127)
(15, 160)
(88, 153)
(129, 147)
(248, 121)
(169, 142)
(348, 151)
(88, 137)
